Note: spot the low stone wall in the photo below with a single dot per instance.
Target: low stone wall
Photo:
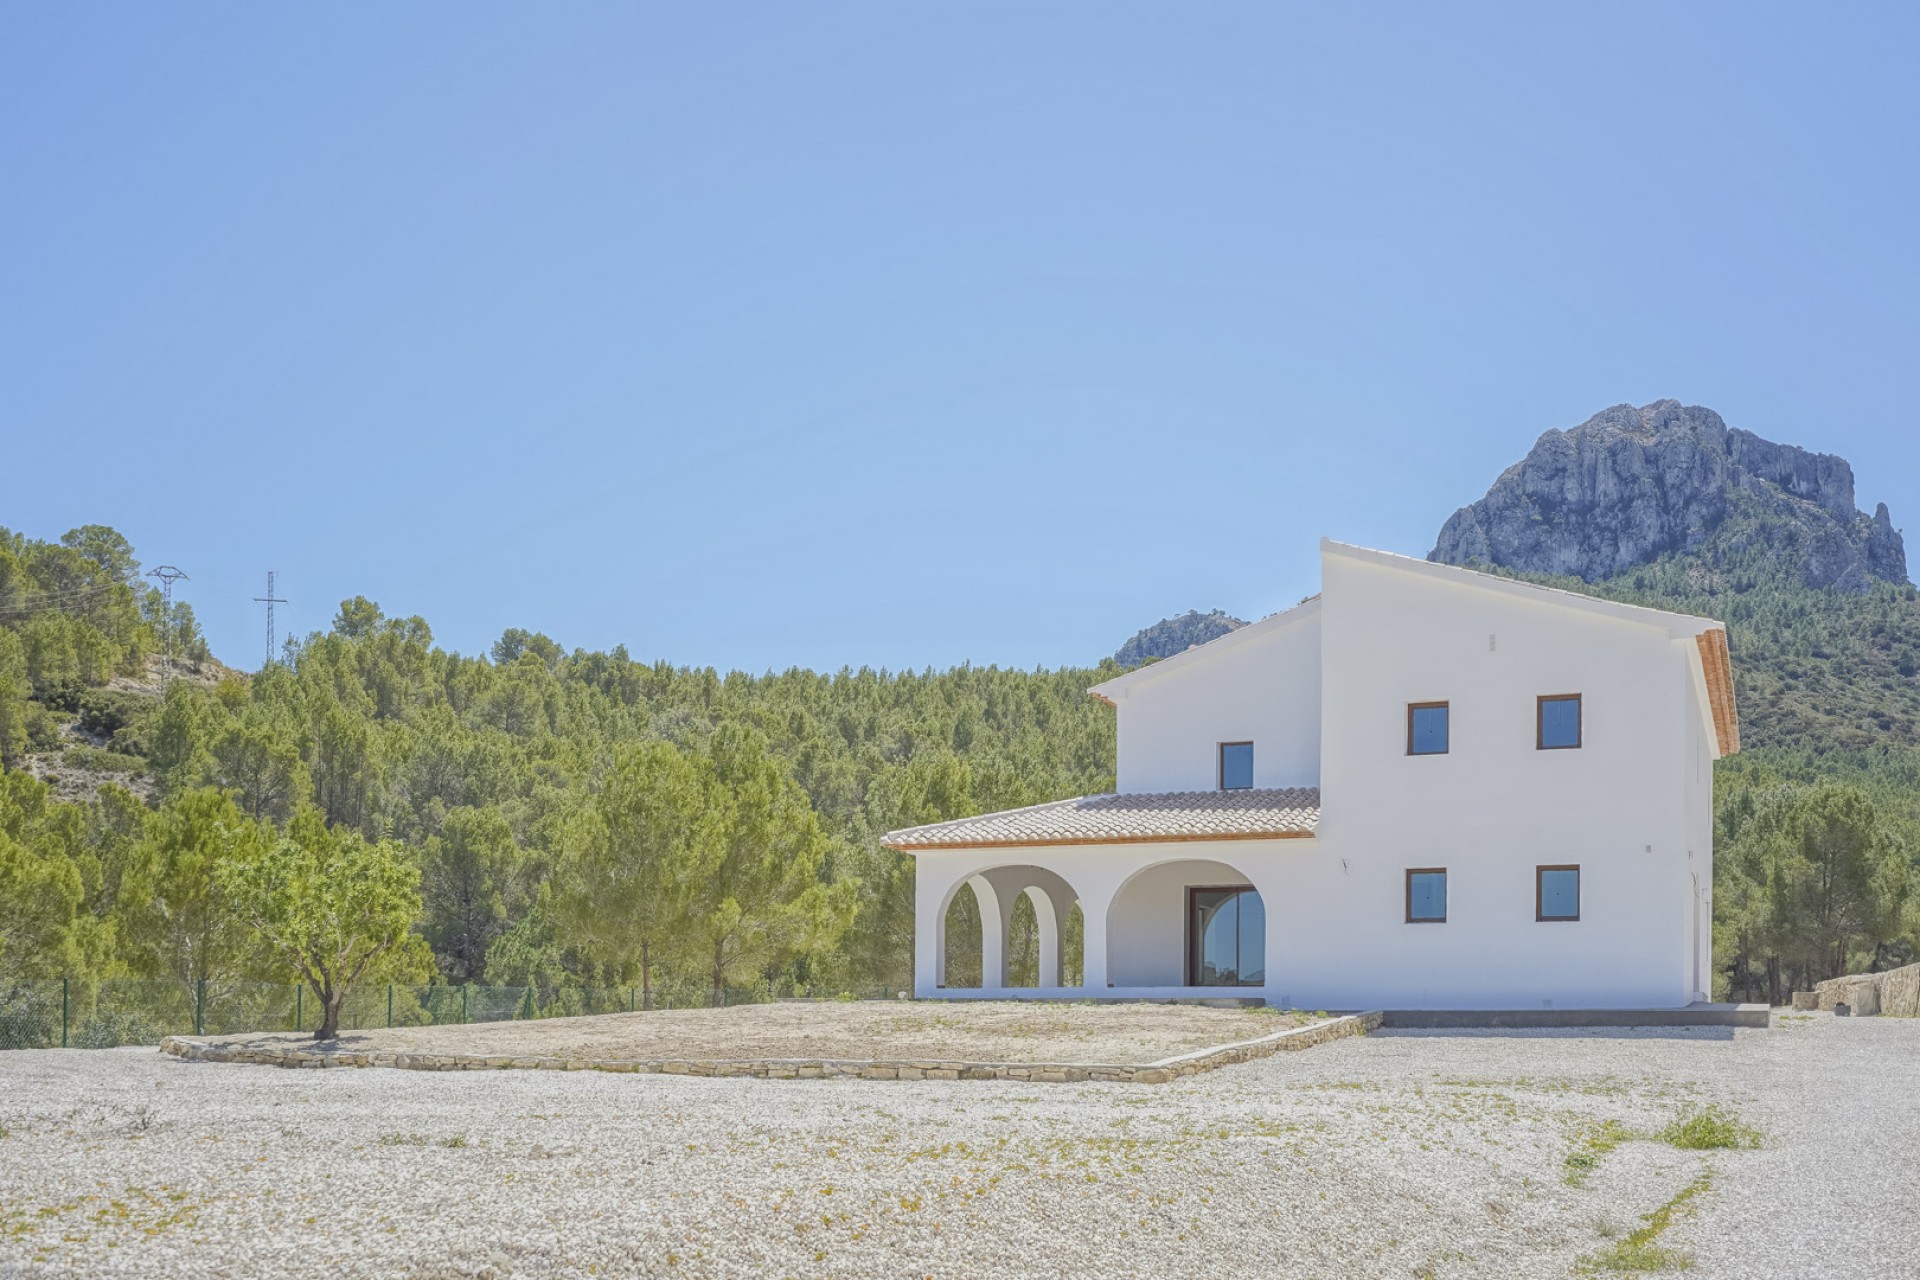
(1161, 1072)
(1895, 993)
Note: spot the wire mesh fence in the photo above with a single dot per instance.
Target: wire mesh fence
(63, 1013)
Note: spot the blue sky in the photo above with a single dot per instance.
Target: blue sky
(908, 335)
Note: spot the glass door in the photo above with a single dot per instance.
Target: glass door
(1226, 937)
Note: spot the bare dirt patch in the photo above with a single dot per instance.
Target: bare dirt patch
(978, 1031)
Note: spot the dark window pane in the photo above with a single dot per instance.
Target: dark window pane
(1216, 932)
(1236, 766)
(1427, 735)
(1253, 939)
(1560, 722)
(1560, 894)
(1427, 895)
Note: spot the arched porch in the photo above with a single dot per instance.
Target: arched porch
(1156, 923)
(1194, 924)
(1007, 897)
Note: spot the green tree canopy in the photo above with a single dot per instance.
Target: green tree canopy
(178, 921)
(336, 908)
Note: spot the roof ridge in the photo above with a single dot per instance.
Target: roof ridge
(1496, 581)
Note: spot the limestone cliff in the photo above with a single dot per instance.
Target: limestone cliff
(1175, 635)
(1631, 485)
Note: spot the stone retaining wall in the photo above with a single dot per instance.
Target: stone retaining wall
(1895, 993)
(1161, 1072)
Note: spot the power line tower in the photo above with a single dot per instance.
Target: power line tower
(269, 600)
(168, 575)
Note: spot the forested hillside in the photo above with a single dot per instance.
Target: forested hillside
(508, 782)
(556, 818)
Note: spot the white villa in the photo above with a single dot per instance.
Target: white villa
(1424, 788)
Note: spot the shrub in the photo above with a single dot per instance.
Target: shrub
(111, 1030)
(104, 713)
(22, 1026)
(43, 729)
(105, 761)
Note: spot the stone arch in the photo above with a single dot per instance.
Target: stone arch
(1147, 936)
(997, 890)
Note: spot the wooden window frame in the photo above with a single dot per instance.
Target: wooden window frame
(1422, 871)
(1186, 931)
(1540, 721)
(1428, 706)
(1220, 765)
(1540, 893)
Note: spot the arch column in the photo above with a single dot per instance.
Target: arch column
(997, 890)
(995, 911)
(1094, 902)
(1047, 920)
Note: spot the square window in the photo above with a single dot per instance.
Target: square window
(1236, 766)
(1559, 721)
(1427, 728)
(1427, 895)
(1556, 892)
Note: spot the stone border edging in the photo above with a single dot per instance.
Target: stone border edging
(1161, 1072)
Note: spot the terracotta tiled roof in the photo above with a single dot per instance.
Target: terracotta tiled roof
(1122, 819)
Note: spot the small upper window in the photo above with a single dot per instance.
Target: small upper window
(1427, 895)
(1426, 728)
(1236, 766)
(1559, 721)
(1556, 893)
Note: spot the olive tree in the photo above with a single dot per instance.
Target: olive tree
(334, 906)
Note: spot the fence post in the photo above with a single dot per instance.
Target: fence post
(463, 1002)
(299, 999)
(389, 1004)
(630, 999)
(200, 1006)
(63, 1011)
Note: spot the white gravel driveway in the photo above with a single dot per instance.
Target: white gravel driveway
(1402, 1154)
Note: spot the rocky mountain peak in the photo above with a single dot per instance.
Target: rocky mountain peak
(1176, 635)
(1628, 486)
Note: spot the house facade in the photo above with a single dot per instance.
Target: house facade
(1424, 788)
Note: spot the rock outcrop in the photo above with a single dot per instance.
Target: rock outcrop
(1176, 635)
(1631, 485)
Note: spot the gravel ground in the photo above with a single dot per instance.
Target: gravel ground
(974, 1031)
(1399, 1154)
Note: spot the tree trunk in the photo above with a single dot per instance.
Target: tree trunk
(329, 1014)
(719, 975)
(646, 974)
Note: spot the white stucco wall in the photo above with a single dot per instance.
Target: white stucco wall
(1260, 685)
(1699, 817)
(1495, 806)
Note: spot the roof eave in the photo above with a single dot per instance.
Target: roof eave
(1677, 625)
(1716, 668)
(1206, 838)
